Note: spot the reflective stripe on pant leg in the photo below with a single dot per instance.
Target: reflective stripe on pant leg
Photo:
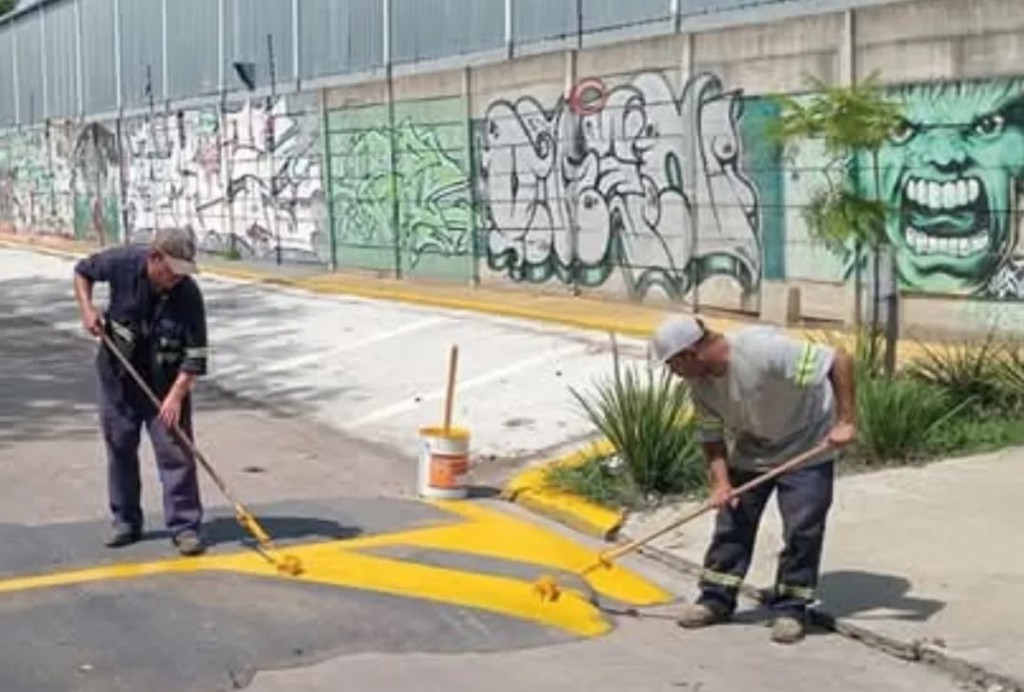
(730, 581)
(805, 496)
(728, 557)
(804, 593)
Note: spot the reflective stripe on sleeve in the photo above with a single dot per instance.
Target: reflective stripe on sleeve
(804, 366)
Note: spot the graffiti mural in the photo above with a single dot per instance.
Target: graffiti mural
(425, 188)
(623, 182)
(255, 172)
(95, 168)
(627, 178)
(35, 181)
(952, 173)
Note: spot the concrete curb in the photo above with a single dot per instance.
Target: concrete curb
(588, 314)
(531, 490)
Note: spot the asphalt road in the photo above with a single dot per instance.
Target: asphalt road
(398, 594)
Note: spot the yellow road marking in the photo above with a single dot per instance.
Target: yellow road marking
(482, 532)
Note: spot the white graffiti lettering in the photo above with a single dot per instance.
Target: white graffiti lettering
(627, 177)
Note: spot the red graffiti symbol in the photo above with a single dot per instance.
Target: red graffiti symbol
(588, 97)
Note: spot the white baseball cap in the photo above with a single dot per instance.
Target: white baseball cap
(676, 334)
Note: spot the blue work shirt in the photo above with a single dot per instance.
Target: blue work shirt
(168, 329)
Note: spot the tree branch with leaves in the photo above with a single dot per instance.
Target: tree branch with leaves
(851, 121)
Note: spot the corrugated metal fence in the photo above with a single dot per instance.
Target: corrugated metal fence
(75, 58)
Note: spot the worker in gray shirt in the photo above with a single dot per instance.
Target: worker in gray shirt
(775, 397)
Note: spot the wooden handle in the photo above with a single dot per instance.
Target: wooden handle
(749, 485)
(449, 400)
(176, 427)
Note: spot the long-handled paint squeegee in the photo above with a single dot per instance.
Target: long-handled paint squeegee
(286, 564)
(548, 588)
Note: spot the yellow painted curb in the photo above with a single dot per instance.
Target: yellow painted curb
(530, 489)
(627, 319)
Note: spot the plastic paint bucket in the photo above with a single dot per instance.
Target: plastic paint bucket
(443, 463)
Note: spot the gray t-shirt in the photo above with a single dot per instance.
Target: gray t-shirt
(775, 400)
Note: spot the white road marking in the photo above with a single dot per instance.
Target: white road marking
(472, 383)
(317, 357)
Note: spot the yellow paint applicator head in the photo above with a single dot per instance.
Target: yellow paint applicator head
(547, 588)
(290, 565)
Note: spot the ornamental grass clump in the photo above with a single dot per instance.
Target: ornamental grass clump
(646, 418)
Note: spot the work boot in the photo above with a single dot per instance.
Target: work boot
(694, 615)
(121, 536)
(787, 629)
(189, 543)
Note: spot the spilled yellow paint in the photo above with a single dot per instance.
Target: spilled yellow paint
(482, 532)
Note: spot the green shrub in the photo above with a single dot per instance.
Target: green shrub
(643, 415)
(1009, 378)
(968, 371)
(897, 418)
(868, 352)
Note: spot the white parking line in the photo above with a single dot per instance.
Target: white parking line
(472, 383)
(319, 356)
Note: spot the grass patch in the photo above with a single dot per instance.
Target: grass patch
(976, 436)
(598, 481)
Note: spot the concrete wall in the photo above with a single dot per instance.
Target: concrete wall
(638, 170)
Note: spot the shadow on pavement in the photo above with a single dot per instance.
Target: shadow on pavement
(850, 592)
(48, 375)
(226, 530)
(48, 385)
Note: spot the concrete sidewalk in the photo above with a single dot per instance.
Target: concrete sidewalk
(929, 559)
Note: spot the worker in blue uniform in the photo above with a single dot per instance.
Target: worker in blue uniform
(156, 317)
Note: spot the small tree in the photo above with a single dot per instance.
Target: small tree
(851, 121)
(7, 6)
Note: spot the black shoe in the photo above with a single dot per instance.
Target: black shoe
(189, 543)
(122, 536)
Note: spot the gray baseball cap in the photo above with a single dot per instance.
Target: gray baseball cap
(178, 248)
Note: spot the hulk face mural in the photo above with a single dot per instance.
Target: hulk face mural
(950, 171)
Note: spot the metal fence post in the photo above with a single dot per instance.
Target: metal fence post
(467, 95)
(119, 84)
(296, 53)
(43, 62)
(395, 210)
(78, 59)
(510, 37)
(165, 69)
(17, 80)
(325, 124)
